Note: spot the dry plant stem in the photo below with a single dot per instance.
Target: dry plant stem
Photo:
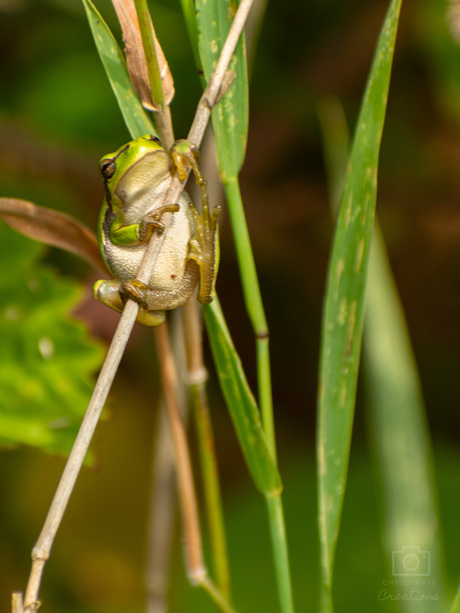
(196, 371)
(196, 568)
(164, 125)
(162, 506)
(17, 604)
(42, 549)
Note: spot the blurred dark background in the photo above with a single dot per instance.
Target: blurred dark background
(58, 116)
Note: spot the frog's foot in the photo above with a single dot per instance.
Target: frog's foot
(134, 290)
(183, 153)
(137, 291)
(109, 292)
(152, 222)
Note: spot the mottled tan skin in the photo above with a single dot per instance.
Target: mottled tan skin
(136, 179)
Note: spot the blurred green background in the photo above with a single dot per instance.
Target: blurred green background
(58, 117)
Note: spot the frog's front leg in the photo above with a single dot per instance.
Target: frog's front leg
(125, 235)
(114, 293)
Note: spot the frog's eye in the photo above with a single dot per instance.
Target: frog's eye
(155, 139)
(108, 168)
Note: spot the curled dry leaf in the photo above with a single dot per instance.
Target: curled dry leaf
(53, 228)
(135, 56)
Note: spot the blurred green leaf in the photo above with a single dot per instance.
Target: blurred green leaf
(344, 307)
(133, 113)
(400, 434)
(456, 605)
(46, 357)
(241, 403)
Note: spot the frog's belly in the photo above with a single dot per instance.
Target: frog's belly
(159, 299)
(174, 277)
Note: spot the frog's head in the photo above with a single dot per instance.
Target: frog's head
(132, 169)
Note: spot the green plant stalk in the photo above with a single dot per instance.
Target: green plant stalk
(150, 55)
(280, 550)
(211, 487)
(254, 306)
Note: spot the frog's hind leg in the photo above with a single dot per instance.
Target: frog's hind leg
(204, 249)
(204, 246)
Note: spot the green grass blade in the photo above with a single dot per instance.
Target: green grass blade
(241, 403)
(112, 59)
(344, 307)
(230, 116)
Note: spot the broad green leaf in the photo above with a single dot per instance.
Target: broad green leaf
(47, 358)
(230, 116)
(113, 61)
(344, 306)
(241, 403)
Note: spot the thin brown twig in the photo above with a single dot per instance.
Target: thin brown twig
(161, 519)
(42, 549)
(196, 569)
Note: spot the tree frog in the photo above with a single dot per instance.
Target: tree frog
(136, 178)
